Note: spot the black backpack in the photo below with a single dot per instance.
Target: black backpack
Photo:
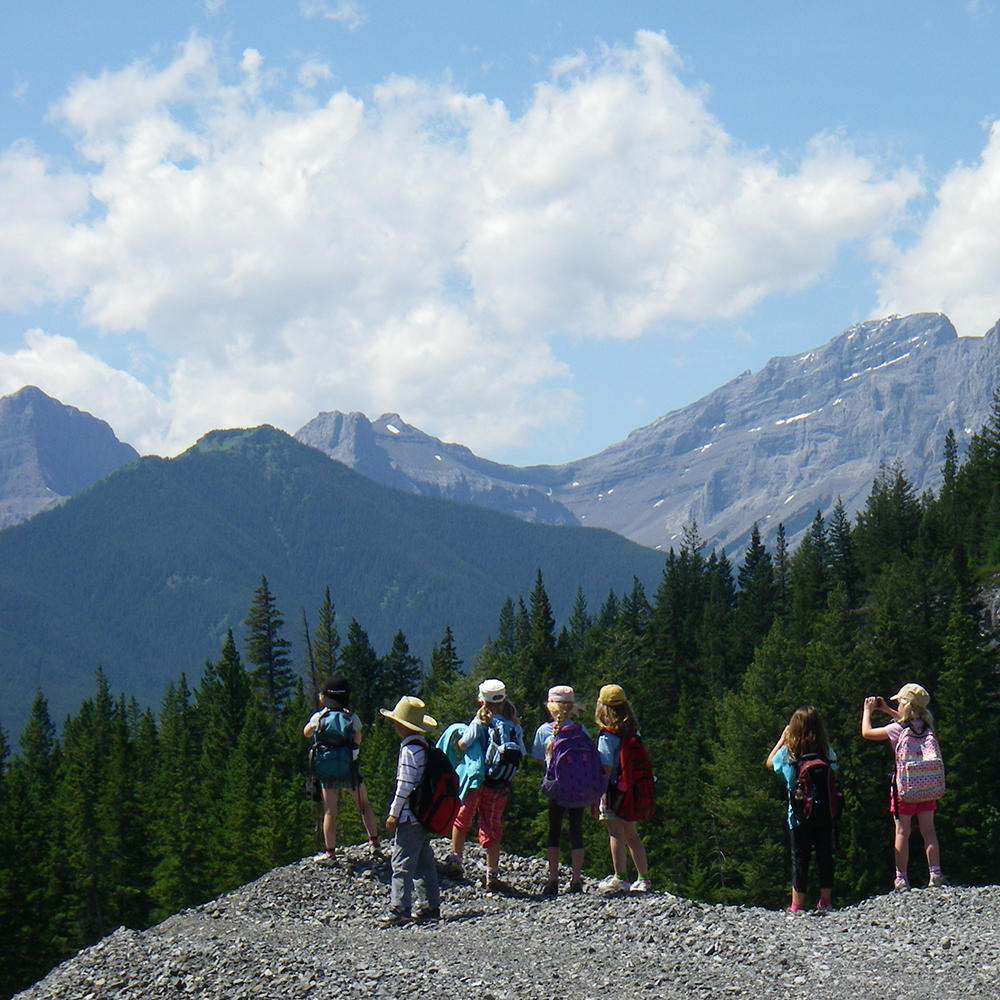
(816, 799)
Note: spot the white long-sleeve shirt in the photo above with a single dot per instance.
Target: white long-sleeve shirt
(409, 770)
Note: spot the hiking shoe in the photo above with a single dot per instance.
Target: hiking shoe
(823, 906)
(493, 883)
(395, 918)
(901, 883)
(613, 883)
(551, 887)
(576, 886)
(375, 851)
(639, 885)
(452, 867)
(937, 879)
(325, 857)
(429, 916)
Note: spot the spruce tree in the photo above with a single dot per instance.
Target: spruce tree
(361, 665)
(268, 652)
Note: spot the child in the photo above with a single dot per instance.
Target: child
(913, 712)
(562, 707)
(804, 736)
(334, 697)
(413, 861)
(489, 797)
(616, 718)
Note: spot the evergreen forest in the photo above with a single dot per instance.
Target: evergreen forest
(123, 815)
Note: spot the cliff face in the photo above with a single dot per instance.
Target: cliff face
(309, 931)
(771, 447)
(49, 452)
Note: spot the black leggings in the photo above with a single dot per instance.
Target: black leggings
(575, 817)
(805, 838)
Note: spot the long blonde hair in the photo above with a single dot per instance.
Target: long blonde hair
(488, 709)
(908, 712)
(561, 712)
(618, 718)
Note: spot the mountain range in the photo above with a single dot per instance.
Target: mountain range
(771, 447)
(141, 564)
(144, 571)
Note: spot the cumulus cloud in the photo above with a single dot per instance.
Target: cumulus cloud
(417, 248)
(347, 13)
(954, 266)
(75, 377)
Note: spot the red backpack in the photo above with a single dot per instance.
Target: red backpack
(435, 800)
(633, 794)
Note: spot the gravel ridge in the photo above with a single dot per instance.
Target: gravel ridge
(308, 930)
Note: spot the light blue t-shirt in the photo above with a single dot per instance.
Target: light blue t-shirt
(781, 765)
(542, 736)
(609, 747)
(478, 731)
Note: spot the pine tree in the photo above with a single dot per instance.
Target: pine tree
(756, 602)
(181, 875)
(967, 703)
(268, 652)
(326, 642)
(33, 924)
(401, 670)
(361, 665)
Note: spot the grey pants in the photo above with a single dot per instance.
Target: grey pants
(413, 863)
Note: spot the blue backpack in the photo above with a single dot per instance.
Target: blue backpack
(573, 774)
(333, 745)
(503, 753)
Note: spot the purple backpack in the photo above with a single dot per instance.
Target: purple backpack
(573, 774)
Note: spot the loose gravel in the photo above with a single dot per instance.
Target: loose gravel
(308, 930)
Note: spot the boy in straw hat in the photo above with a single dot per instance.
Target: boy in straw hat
(413, 860)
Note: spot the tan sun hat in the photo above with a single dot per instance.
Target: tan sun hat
(409, 712)
(914, 694)
(612, 694)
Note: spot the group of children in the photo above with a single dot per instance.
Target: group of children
(488, 750)
(804, 742)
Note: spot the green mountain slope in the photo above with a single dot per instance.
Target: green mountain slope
(143, 572)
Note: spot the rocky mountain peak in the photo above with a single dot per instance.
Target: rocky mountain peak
(49, 451)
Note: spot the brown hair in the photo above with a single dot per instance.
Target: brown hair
(806, 733)
(618, 718)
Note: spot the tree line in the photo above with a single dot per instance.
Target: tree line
(126, 815)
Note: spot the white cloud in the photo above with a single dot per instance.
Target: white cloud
(417, 249)
(343, 11)
(58, 366)
(954, 266)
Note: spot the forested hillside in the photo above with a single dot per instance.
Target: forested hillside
(145, 572)
(129, 815)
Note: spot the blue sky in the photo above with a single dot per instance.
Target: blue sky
(529, 228)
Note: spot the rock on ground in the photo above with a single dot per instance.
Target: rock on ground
(307, 930)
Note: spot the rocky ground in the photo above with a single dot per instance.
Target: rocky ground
(312, 931)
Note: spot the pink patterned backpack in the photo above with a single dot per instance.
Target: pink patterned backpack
(919, 774)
